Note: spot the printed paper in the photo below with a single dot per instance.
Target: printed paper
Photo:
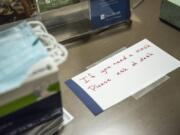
(122, 75)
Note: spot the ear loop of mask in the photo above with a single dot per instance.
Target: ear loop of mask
(57, 51)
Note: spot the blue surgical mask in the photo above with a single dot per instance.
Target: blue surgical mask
(20, 49)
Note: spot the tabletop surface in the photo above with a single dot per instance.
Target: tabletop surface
(156, 113)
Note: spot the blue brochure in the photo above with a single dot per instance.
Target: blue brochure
(31, 116)
(108, 12)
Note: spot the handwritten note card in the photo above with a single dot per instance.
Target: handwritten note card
(122, 75)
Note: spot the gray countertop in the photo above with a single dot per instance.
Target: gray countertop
(156, 113)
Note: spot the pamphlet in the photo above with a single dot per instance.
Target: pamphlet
(108, 12)
(46, 5)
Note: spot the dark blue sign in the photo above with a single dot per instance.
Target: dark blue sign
(108, 12)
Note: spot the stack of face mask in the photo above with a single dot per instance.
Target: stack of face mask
(20, 49)
(29, 85)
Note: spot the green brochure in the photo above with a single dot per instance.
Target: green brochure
(176, 2)
(45, 5)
